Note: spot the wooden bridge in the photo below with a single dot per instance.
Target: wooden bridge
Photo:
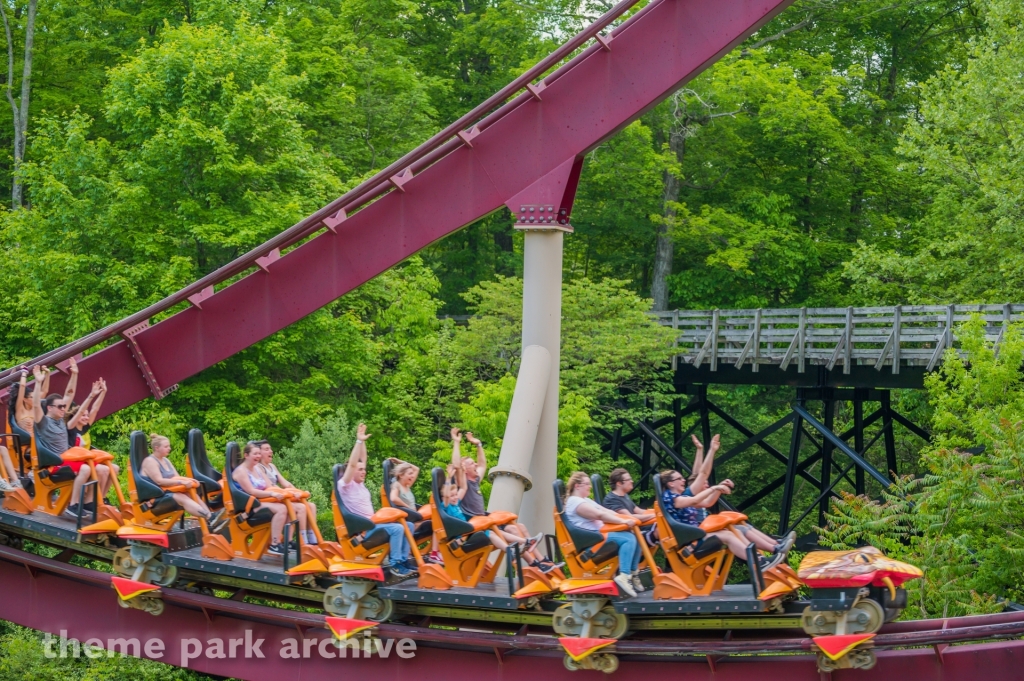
(904, 335)
(829, 357)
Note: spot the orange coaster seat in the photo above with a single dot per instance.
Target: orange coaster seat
(695, 569)
(587, 553)
(462, 544)
(721, 521)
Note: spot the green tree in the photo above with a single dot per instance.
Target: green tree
(22, 658)
(609, 343)
(967, 146)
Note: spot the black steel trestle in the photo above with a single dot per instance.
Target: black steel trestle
(816, 455)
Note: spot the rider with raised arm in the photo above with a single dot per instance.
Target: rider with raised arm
(454, 491)
(19, 401)
(473, 502)
(50, 429)
(80, 417)
(357, 499)
(698, 482)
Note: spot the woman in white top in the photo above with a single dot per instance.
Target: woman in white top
(587, 514)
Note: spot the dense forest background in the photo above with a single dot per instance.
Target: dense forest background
(852, 152)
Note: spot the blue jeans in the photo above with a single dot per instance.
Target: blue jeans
(399, 544)
(629, 551)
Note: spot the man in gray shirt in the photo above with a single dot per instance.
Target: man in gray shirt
(51, 431)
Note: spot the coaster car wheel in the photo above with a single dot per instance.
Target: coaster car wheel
(353, 599)
(126, 563)
(604, 662)
(862, 659)
(855, 659)
(166, 575)
(865, 617)
(153, 605)
(573, 618)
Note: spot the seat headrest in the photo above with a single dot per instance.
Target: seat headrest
(202, 469)
(196, 444)
(138, 450)
(15, 428)
(387, 478)
(597, 487)
(559, 489)
(338, 470)
(656, 478)
(436, 482)
(232, 457)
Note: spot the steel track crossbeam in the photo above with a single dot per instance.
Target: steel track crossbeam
(777, 483)
(841, 445)
(822, 498)
(910, 425)
(761, 443)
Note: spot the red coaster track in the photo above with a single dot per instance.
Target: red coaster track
(51, 596)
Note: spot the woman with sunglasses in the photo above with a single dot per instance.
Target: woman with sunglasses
(698, 482)
(687, 508)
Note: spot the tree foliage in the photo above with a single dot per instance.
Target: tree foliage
(961, 521)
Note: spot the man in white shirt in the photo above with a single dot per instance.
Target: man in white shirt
(357, 499)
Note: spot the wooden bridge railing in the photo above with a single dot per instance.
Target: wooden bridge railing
(913, 335)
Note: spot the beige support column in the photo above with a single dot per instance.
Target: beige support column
(511, 477)
(542, 326)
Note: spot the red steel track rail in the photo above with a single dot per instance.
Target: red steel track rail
(466, 171)
(51, 596)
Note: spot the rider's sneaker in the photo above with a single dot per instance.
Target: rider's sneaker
(5, 486)
(215, 518)
(399, 570)
(786, 543)
(533, 541)
(772, 561)
(276, 549)
(638, 586)
(546, 566)
(71, 511)
(435, 557)
(625, 585)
